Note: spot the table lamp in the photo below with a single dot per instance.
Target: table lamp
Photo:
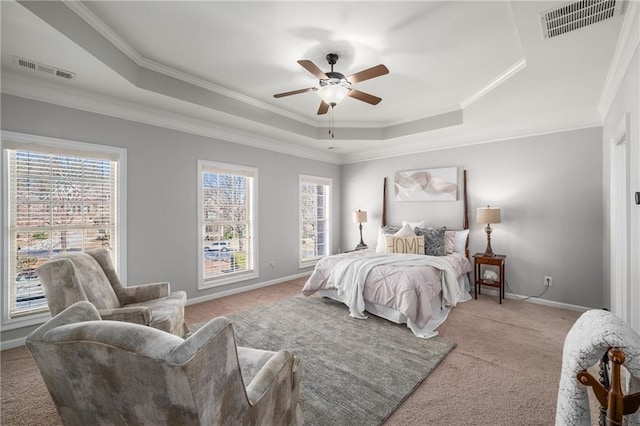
(360, 217)
(488, 215)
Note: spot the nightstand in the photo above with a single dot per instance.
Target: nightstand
(495, 260)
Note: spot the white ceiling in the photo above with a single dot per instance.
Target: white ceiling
(460, 72)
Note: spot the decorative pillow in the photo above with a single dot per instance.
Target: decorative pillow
(414, 225)
(433, 240)
(449, 241)
(461, 241)
(409, 245)
(390, 230)
(405, 231)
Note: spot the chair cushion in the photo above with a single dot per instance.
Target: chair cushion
(167, 313)
(251, 361)
(94, 282)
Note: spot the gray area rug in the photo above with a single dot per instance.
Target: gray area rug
(355, 372)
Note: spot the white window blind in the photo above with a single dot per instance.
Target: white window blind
(227, 223)
(57, 201)
(315, 194)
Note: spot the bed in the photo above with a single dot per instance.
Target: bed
(406, 288)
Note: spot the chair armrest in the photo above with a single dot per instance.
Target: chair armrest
(133, 314)
(192, 344)
(273, 368)
(143, 293)
(78, 312)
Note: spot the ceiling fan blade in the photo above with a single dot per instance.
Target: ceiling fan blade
(295, 92)
(364, 97)
(372, 72)
(324, 107)
(313, 69)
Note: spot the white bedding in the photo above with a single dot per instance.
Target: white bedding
(416, 289)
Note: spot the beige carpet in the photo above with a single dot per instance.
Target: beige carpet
(504, 370)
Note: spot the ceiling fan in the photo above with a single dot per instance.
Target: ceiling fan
(334, 86)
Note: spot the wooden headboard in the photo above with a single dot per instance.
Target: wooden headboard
(465, 218)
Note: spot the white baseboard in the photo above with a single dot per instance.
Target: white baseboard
(538, 301)
(13, 343)
(231, 292)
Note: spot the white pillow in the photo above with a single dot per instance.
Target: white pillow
(414, 225)
(461, 241)
(410, 245)
(405, 231)
(381, 245)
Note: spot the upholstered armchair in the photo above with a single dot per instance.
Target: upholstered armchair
(109, 373)
(71, 277)
(591, 337)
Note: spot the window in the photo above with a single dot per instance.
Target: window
(315, 193)
(59, 196)
(226, 210)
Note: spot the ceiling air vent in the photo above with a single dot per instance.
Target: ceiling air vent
(579, 14)
(32, 65)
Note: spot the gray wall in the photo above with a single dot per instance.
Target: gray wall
(162, 190)
(549, 188)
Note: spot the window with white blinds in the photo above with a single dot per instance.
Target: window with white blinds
(227, 202)
(57, 199)
(315, 194)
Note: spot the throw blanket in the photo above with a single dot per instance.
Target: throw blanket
(349, 275)
(589, 338)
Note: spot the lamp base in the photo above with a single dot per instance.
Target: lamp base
(488, 252)
(361, 246)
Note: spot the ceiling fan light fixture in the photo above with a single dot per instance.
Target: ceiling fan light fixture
(332, 93)
(334, 86)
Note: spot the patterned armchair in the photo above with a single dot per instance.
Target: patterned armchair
(109, 372)
(90, 276)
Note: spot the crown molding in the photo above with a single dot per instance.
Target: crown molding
(411, 147)
(626, 47)
(44, 91)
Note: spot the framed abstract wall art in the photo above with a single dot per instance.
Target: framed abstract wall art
(427, 185)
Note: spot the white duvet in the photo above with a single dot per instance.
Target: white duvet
(402, 282)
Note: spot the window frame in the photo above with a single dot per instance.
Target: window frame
(47, 144)
(207, 283)
(318, 180)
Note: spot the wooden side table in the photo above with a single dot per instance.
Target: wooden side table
(495, 260)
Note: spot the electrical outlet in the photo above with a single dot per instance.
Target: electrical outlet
(272, 264)
(548, 281)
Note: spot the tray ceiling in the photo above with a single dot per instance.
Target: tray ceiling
(460, 72)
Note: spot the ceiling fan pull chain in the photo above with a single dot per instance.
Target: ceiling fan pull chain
(331, 123)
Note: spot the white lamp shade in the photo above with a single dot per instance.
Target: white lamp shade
(359, 217)
(488, 215)
(332, 94)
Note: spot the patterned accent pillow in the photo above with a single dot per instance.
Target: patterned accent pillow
(408, 245)
(390, 230)
(433, 240)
